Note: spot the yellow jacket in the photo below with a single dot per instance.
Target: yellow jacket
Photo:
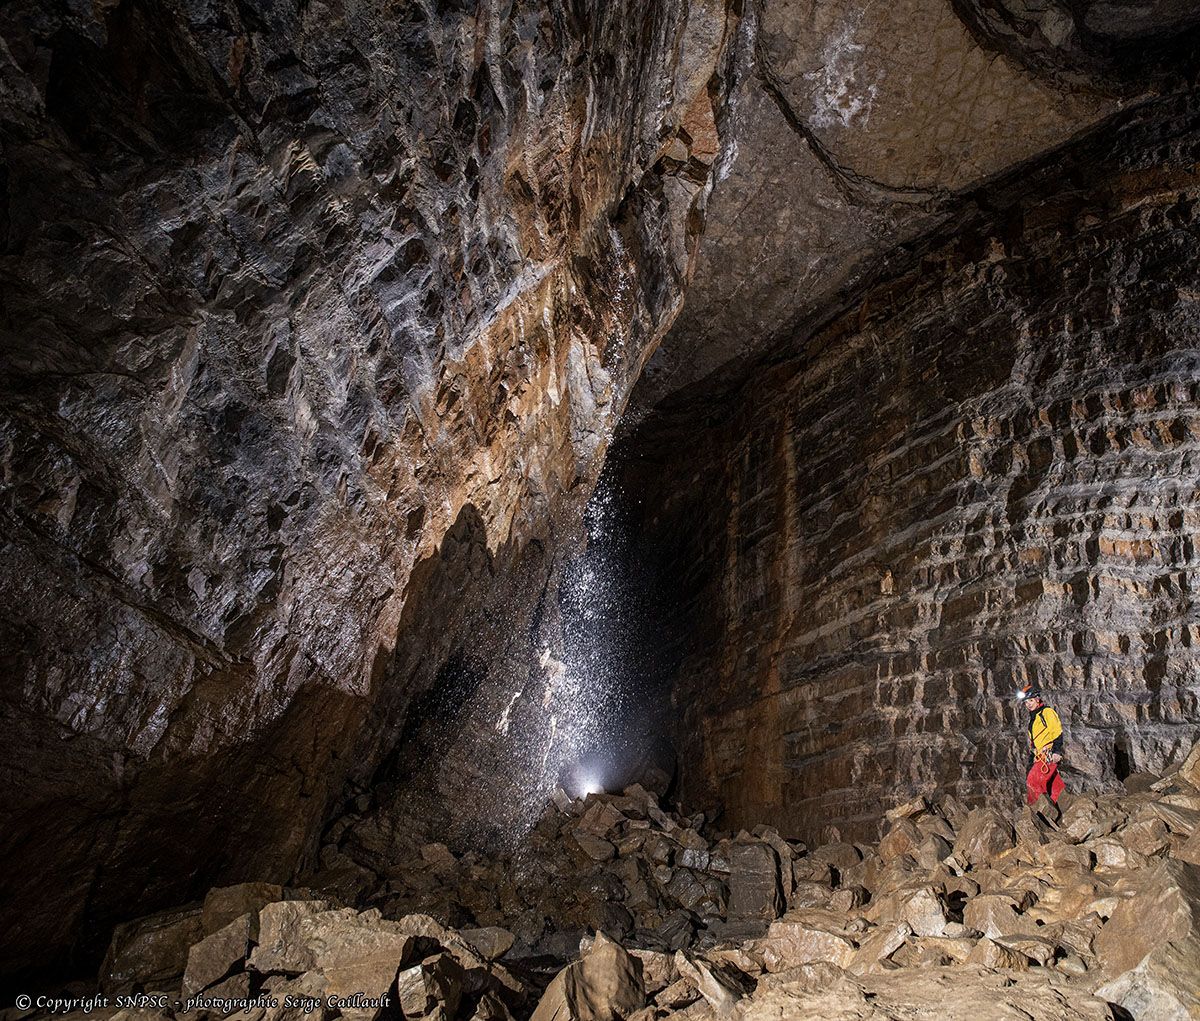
(1045, 729)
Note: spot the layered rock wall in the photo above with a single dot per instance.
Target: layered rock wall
(984, 473)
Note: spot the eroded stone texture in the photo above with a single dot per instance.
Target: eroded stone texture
(984, 474)
(311, 313)
(855, 128)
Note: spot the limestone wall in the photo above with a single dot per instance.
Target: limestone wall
(983, 473)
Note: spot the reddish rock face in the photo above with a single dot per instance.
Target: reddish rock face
(982, 474)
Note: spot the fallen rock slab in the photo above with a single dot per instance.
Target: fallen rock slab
(216, 956)
(603, 985)
(151, 952)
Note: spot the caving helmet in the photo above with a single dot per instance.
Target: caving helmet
(1028, 692)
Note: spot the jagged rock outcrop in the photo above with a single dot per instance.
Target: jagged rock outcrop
(855, 129)
(313, 316)
(983, 473)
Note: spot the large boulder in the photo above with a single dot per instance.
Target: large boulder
(800, 940)
(603, 985)
(754, 885)
(1161, 906)
(984, 836)
(282, 946)
(150, 953)
(217, 955)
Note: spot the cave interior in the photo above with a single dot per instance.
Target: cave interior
(418, 415)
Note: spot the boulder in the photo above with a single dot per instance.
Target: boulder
(604, 984)
(595, 848)
(150, 952)
(300, 999)
(901, 839)
(792, 941)
(1163, 986)
(992, 914)
(1038, 949)
(1189, 772)
(883, 941)
(600, 820)
(924, 911)
(217, 955)
(658, 969)
(491, 942)
(356, 952)
(281, 947)
(847, 899)
(721, 988)
(838, 855)
(1085, 819)
(226, 903)
(1161, 907)
(432, 989)
(754, 887)
(991, 954)
(1112, 853)
(984, 836)
(1147, 835)
(907, 810)
(937, 826)
(932, 851)
(945, 949)
(807, 894)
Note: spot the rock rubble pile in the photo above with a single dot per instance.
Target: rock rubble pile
(618, 908)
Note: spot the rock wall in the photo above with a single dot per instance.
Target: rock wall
(984, 472)
(857, 129)
(315, 318)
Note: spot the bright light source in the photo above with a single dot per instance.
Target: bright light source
(590, 785)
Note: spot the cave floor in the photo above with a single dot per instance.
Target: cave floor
(615, 907)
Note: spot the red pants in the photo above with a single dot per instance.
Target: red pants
(1042, 779)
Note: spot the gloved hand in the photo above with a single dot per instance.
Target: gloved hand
(1056, 757)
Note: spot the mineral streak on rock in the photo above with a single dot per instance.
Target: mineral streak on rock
(299, 302)
(984, 473)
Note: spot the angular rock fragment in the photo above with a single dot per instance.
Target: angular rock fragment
(151, 952)
(218, 954)
(754, 890)
(491, 942)
(604, 984)
(793, 941)
(984, 836)
(1161, 908)
(719, 986)
(432, 989)
(992, 914)
(281, 945)
(991, 954)
(882, 942)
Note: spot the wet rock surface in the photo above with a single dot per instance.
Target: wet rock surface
(1002, 931)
